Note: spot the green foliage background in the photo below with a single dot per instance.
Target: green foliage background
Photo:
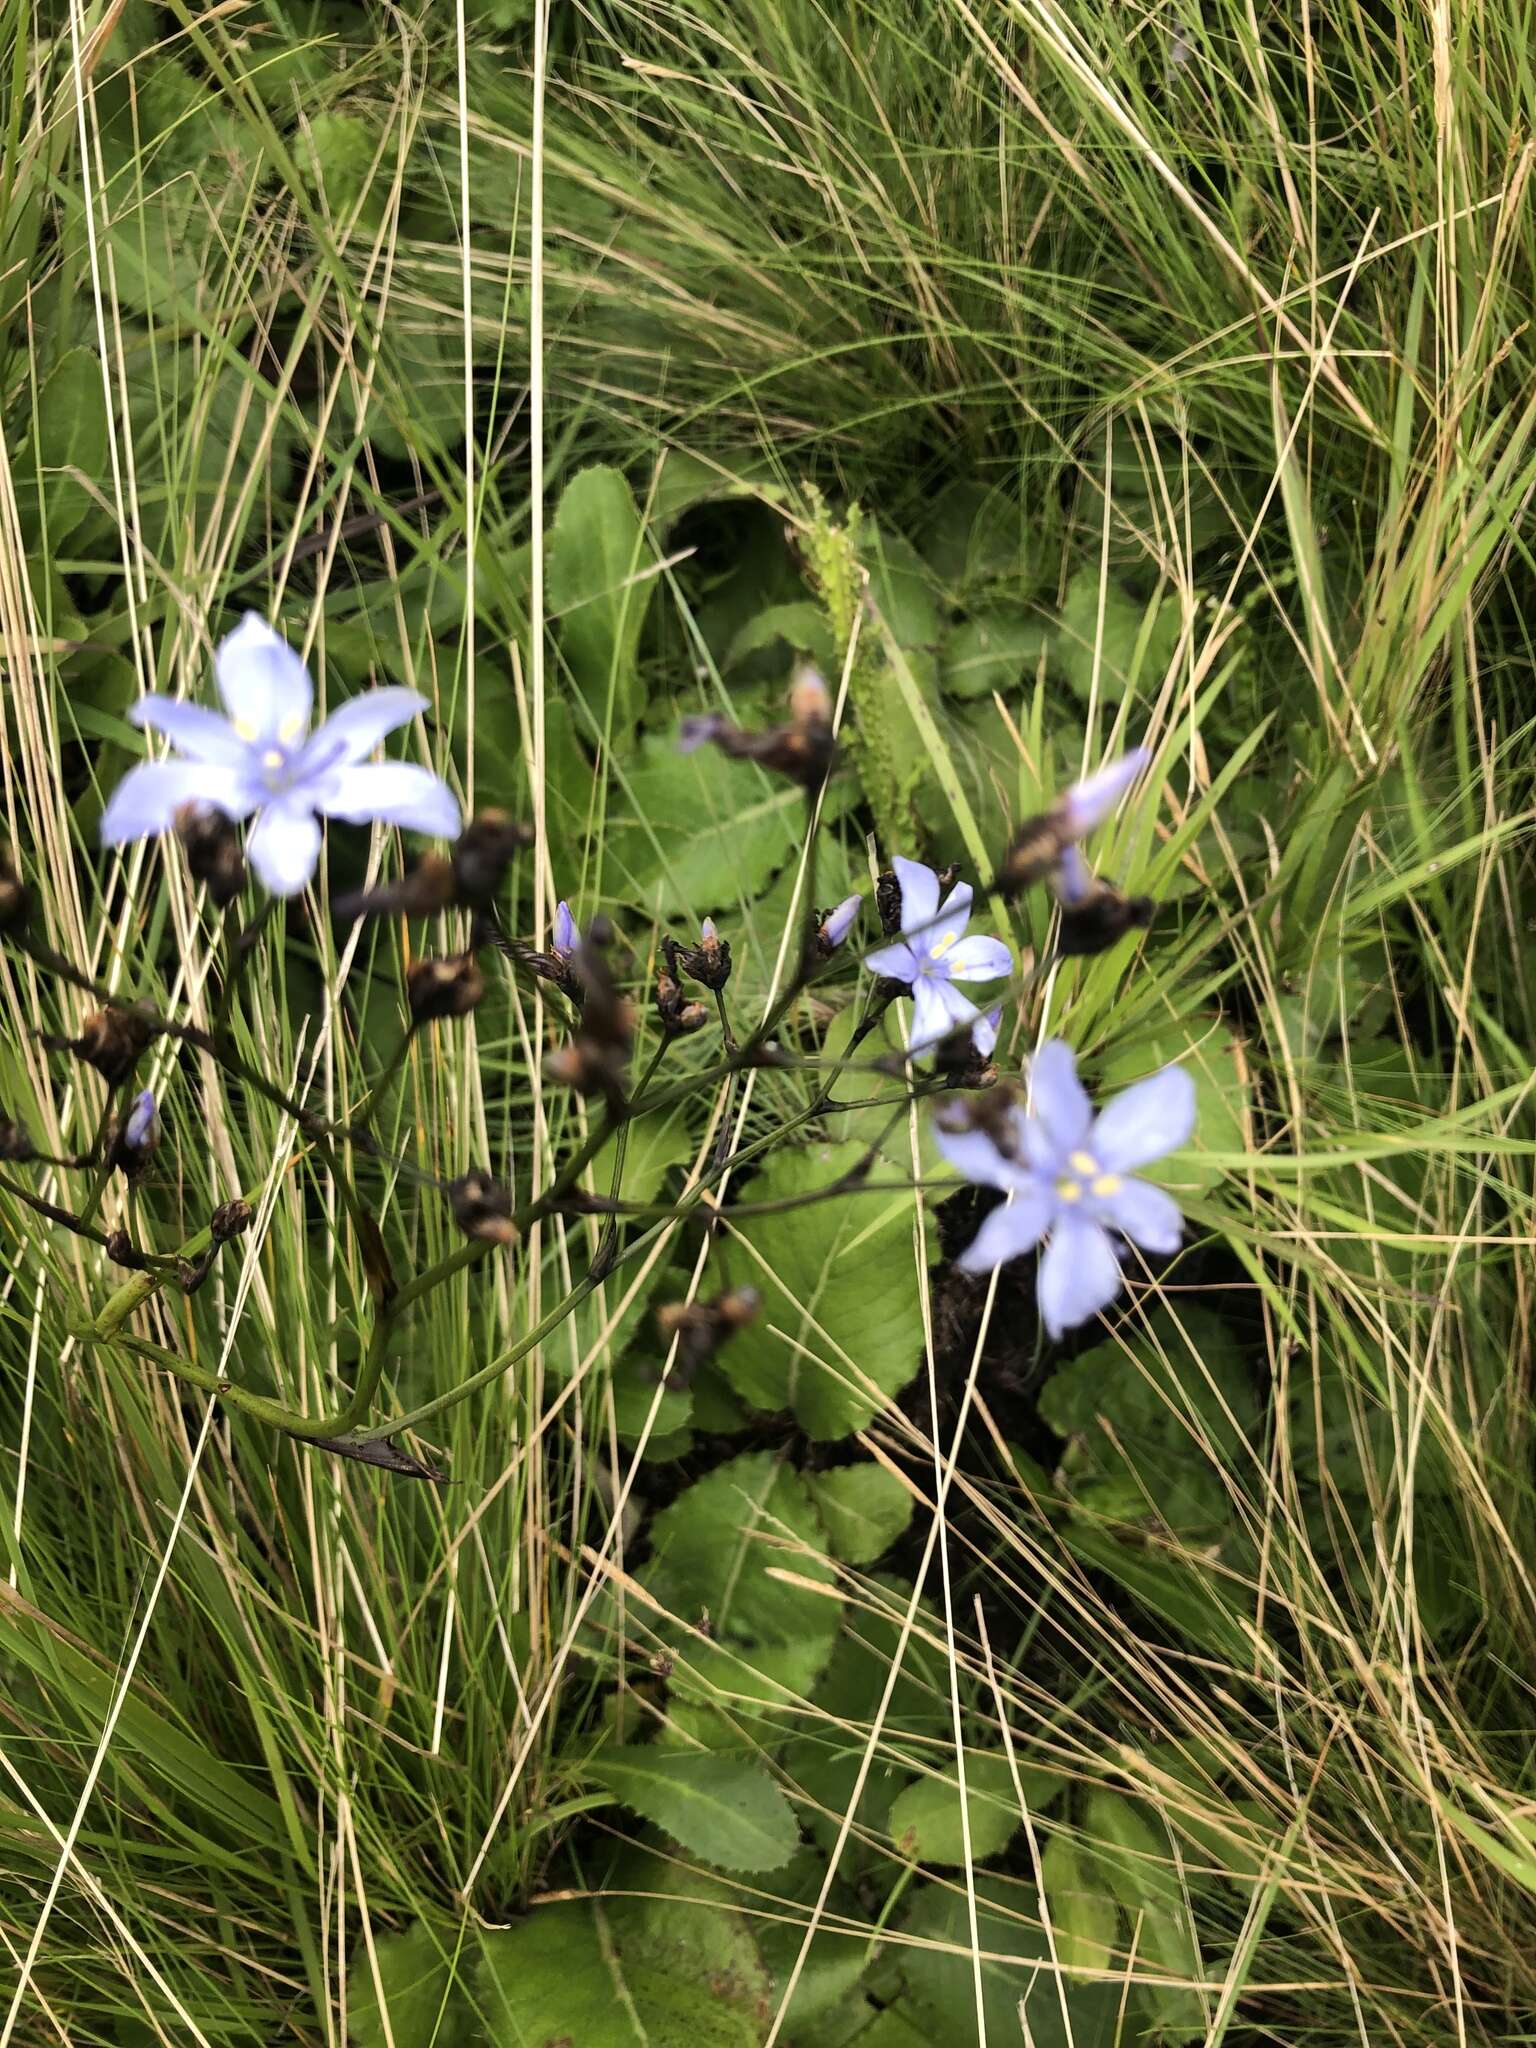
(1059, 377)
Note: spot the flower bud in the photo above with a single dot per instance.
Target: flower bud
(833, 926)
(137, 1136)
(709, 961)
(15, 896)
(482, 1208)
(212, 847)
(229, 1220)
(567, 933)
(449, 987)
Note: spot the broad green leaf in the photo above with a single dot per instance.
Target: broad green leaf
(802, 627)
(599, 588)
(562, 1975)
(692, 833)
(864, 1508)
(1137, 641)
(724, 1810)
(941, 1997)
(925, 1820)
(69, 444)
(994, 652)
(1137, 1860)
(1083, 1914)
(841, 1323)
(711, 1554)
(418, 1996)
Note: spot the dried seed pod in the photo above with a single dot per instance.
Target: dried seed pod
(229, 1220)
(16, 1148)
(482, 853)
(443, 987)
(700, 1327)
(482, 1208)
(212, 847)
(111, 1040)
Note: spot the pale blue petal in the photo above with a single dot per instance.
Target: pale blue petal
(283, 847)
(148, 797)
(839, 922)
(919, 893)
(976, 1154)
(139, 1124)
(1058, 1102)
(937, 1009)
(939, 941)
(977, 959)
(200, 734)
(1145, 1122)
(895, 961)
(1010, 1230)
(355, 728)
(389, 793)
(984, 1033)
(1089, 802)
(567, 936)
(265, 686)
(1144, 1214)
(1074, 879)
(1079, 1274)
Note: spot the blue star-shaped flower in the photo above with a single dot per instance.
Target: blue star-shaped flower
(1071, 1181)
(933, 953)
(262, 762)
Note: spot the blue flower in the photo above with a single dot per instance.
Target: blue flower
(262, 762)
(140, 1128)
(567, 935)
(933, 954)
(1070, 1176)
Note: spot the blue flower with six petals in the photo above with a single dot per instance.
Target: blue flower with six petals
(263, 762)
(1070, 1177)
(933, 954)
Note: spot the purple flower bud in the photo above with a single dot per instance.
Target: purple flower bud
(839, 922)
(567, 934)
(699, 730)
(1089, 802)
(708, 933)
(140, 1127)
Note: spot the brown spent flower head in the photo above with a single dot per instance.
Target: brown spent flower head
(991, 1112)
(212, 847)
(804, 749)
(111, 1040)
(120, 1250)
(16, 1148)
(15, 896)
(1094, 921)
(482, 854)
(443, 987)
(229, 1220)
(700, 1327)
(708, 962)
(482, 1208)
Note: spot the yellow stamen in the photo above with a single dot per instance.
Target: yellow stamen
(938, 951)
(1107, 1184)
(244, 730)
(1084, 1163)
(1070, 1190)
(290, 728)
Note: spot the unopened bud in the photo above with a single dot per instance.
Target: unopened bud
(482, 1208)
(450, 987)
(709, 961)
(229, 1220)
(212, 847)
(15, 897)
(137, 1136)
(833, 926)
(482, 853)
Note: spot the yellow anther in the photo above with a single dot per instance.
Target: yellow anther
(1107, 1184)
(942, 946)
(244, 730)
(290, 728)
(1070, 1190)
(1084, 1163)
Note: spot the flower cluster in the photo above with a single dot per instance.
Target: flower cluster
(1070, 1179)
